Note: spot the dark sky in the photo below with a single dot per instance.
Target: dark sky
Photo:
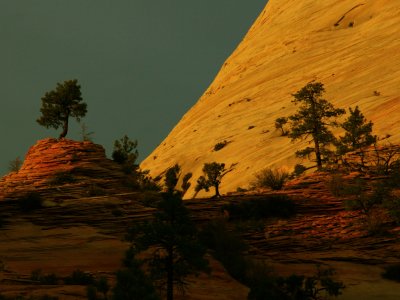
(141, 64)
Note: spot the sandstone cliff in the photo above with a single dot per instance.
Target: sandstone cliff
(64, 169)
(352, 47)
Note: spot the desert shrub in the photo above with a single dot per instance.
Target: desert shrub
(47, 279)
(15, 164)
(272, 206)
(30, 202)
(79, 277)
(270, 178)
(298, 170)
(220, 145)
(392, 272)
(62, 178)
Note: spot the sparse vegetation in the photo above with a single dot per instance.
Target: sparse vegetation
(125, 153)
(270, 178)
(220, 145)
(173, 237)
(213, 174)
(313, 119)
(228, 248)
(132, 283)
(60, 104)
(46, 279)
(357, 134)
(15, 165)
(79, 277)
(299, 169)
(86, 135)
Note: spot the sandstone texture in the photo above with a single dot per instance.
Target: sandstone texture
(352, 47)
(64, 169)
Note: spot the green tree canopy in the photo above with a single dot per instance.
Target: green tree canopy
(313, 118)
(125, 153)
(173, 238)
(213, 173)
(357, 132)
(60, 104)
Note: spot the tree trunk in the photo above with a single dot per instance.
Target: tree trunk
(318, 154)
(65, 128)
(170, 274)
(217, 190)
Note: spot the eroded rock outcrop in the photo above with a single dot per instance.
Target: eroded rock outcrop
(65, 168)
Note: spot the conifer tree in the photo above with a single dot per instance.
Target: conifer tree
(173, 238)
(213, 173)
(357, 133)
(312, 120)
(60, 104)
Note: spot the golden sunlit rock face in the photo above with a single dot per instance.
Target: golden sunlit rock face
(352, 47)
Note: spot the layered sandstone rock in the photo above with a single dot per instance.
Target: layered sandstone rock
(64, 169)
(352, 47)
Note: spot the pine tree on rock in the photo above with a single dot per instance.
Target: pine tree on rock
(357, 133)
(313, 119)
(213, 174)
(60, 104)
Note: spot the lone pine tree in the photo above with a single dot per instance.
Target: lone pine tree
(60, 104)
(313, 119)
(172, 236)
(213, 173)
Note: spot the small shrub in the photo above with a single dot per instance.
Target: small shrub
(392, 272)
(273, 206)
(271, 178)
(298, 170)
(47, 279)
(62, 178)
(220, 145)
(79, 277)
(15, 165)
(30, 202)
(377, 93)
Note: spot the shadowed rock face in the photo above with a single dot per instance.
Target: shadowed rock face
(351, 47)
(64, 169)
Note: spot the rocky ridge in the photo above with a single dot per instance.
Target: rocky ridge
(64, 169)
(351, 47)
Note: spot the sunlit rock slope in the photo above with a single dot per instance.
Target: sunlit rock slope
(353, 47)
